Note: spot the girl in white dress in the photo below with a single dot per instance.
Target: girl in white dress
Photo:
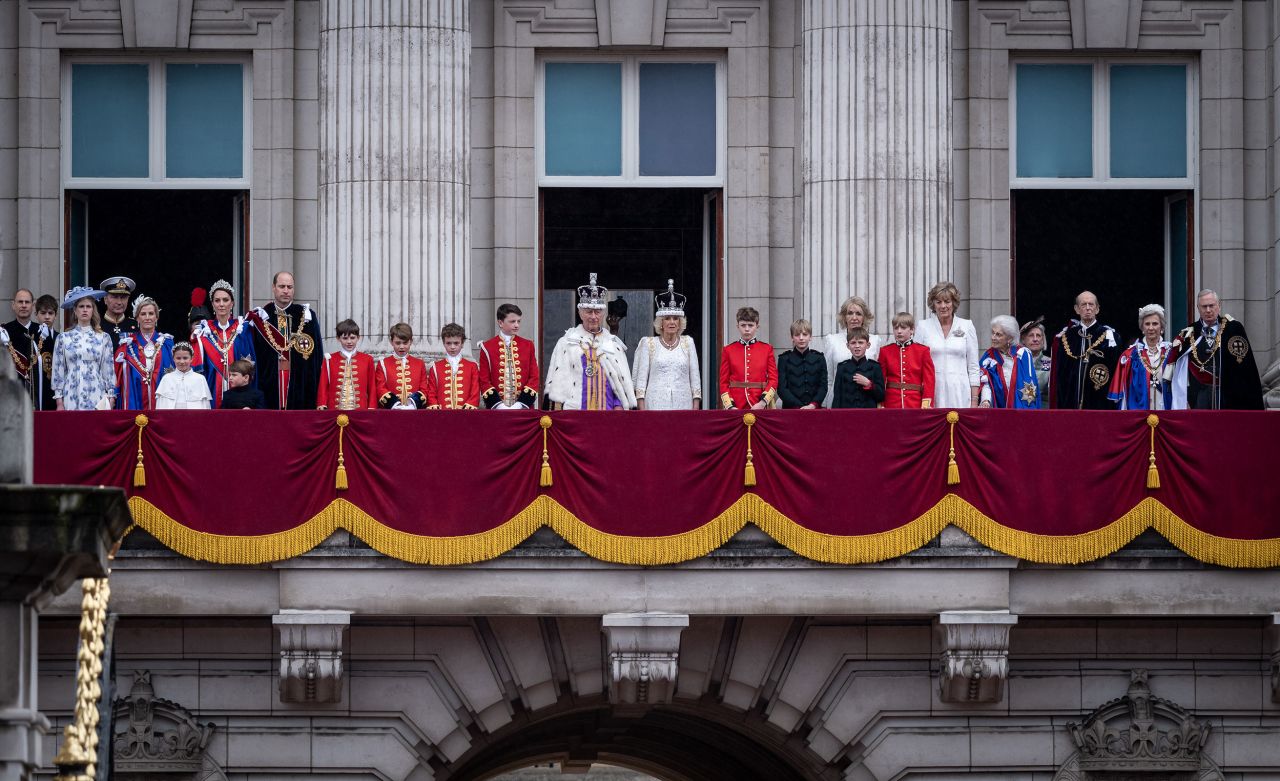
(854, 313)
(666, 369)
(84, 374)
(182, 388)
(953, 344)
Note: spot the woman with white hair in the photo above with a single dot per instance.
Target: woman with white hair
(1008, 375)
(854, 313)
(666, 370)
(1138, 382)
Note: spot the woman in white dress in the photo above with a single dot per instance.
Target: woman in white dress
(84, 374)
(666, 370)
(953, 345)
(854, 313)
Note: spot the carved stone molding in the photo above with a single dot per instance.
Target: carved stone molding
(158, 735)
(1273, 633)
(162, 24)
(1112, 24)
(974, 662)
(1139, 736)
(631, 22)
(311, 654)
(644, 655)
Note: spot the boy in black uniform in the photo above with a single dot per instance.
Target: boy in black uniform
(802, 373)
(859, 380)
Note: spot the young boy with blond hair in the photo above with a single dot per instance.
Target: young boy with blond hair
(907, 366)
(802, 372)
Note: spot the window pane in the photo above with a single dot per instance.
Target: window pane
(1055, 120)
(204, 121)
(677, 119)
(1148, 120)
(583, 125)
(109, 120)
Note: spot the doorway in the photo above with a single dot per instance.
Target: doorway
(168, 241)
(634, 239)
(1130, 247)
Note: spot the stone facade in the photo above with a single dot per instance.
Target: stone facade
(394, 170)
(445, 229)
(785, 668)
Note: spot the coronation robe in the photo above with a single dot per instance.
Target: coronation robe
(289, 345)
(450, 387)
(748, 373)
(140, 370)
(590, 371)
(402, 382)
(1139, 380)
(20, 342)
(508, 373)
(1084, 360)
(1010, 382)
(909, 378)
(216, 348)
(347, 382)
(1213, 373)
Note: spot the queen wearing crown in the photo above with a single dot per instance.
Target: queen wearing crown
(666, 365)
(588, 369)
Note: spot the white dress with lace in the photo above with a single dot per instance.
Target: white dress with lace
(667, 377)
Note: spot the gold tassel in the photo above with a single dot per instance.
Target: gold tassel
(1153, 476)
(749, 473)
(544, 481)
(340, 479)
(139, 471)
(953, 469)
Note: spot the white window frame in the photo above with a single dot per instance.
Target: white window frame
(1101, 178)
(630, 176)
(156, 137)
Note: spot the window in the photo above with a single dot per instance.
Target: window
(160, 122)
(1102, 123)
(631, 121)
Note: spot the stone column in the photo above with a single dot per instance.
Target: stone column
(875, 155)
(395, 219)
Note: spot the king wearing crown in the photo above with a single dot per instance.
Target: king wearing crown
(588, 369)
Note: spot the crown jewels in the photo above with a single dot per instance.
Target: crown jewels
(593, 296)
(670, 303)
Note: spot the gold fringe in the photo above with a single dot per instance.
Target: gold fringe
(1153, 476)
(340, 478)
(675, 548)
(544, 480)
(140, 472)
(749, 472)
(953, 469)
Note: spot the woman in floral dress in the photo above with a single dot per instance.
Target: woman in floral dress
(83, 371)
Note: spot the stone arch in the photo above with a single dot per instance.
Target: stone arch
(674, 743)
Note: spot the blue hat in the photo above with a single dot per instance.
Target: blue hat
(78, 292)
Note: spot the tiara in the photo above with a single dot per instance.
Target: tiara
(222, 284)
(593, 296)
(140, 301)
(670, 303)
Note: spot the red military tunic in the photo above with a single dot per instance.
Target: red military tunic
(908, 376)
(508, 372)
(347, 383)
(450, 389)
(748, 372)
(403, 382)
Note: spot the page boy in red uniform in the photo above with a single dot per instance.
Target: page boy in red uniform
(908, 368)
(453, 382)
(748, 370)
(402, 379)
(347, 381)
